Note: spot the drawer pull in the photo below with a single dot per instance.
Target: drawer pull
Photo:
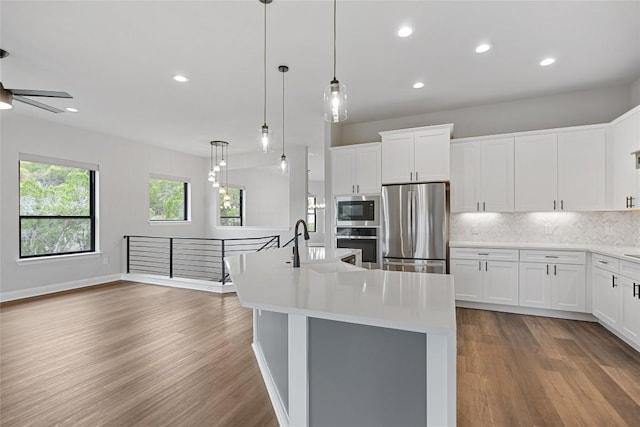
(636, 293)
(482, 254)
(602, 262)
(550, 256)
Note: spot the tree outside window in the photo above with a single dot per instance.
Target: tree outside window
(57, 209)
(231, 210)
(168, 200)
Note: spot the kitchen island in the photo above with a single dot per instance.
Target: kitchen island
(338, 345)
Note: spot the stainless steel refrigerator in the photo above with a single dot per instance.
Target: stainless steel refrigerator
(415, 227)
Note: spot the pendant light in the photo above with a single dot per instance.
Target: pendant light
(265, 133)
(216, 168)
(335, 95)
(212, 174)
(284, 165)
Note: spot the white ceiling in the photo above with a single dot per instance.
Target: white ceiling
(117, 59)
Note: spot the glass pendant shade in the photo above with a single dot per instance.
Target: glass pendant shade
(335, 102)
(264, 139)
(212, 175)
(222, 190)
(215, 184)
(284, 165)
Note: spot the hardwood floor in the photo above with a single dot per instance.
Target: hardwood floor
(135, 354)
(516, 370)
(130, 354)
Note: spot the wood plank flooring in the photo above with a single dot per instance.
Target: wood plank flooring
(134, 354)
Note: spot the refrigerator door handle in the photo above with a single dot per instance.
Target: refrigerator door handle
(410, 202)
(414, 222)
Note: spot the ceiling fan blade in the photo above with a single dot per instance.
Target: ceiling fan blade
(47, 93)
(37, 104)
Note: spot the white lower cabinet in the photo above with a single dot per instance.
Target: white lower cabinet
(485, 275)
(553, 279)
(606, 292)
(500, 282)
(630, 316)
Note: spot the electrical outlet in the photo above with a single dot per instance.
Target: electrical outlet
(105, 260)
(548, 229)
(475, 229)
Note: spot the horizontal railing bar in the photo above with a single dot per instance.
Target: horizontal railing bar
(202, 238)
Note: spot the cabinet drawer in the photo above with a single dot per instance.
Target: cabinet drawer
(553, 257)
(630, 269)
(605, 262)
(488, 254)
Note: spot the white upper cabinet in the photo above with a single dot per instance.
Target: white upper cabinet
(563, 171)
(582, 170)
(355, 169)
(536, 172)
(482, 176)
(625, 178)
(416, 155)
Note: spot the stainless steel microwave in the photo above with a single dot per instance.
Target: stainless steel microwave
(357, 211)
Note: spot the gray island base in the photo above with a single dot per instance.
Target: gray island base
(341, 346)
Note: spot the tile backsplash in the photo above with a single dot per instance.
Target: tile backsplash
(597, 228)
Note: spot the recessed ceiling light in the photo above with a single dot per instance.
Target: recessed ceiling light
(71, 109)
(405, 31)
(180, 78)
(418, 85)
(482, 48)
(547, 61)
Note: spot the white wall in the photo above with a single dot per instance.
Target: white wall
(123, 196)
(635, 93)
(569, 109)
(266, 196)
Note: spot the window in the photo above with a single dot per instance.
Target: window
(168, 199)
(231, 207)
(57, 209)
(311, 213)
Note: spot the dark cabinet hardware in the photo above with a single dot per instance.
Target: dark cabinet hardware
(479, 265)
(547, 269)
(550, 256)
(554, 205)
(636, 293)
(478, 206)
(555, 270)
(486, 266)
(613, 281)
(484, 208)
(561, 205)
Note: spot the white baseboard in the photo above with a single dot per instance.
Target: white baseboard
(194, 284)
(272, 390)
(58, 287)
(633, 345)
(570, 315)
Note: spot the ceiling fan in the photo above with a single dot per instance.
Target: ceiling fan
(7, 96)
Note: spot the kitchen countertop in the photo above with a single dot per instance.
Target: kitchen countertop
(324, 287)
(619, 252)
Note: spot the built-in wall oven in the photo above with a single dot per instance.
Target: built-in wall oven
(357, 211)
(363, 238)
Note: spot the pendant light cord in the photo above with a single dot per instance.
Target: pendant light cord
(211, 160)
(334, 39)
(283, 113)
(265, 63)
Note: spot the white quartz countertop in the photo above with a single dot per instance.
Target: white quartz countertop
(324, 287)
(620, 252)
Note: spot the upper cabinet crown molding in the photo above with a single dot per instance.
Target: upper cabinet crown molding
(434, 128)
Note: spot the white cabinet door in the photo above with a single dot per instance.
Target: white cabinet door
(568, 287)
(624, 179)
(464, 176)
(500, 282)
(534, 285)
(343, 171)
(467, 279)
(496, 178)
(367, 170)
(536, 172)
(582, 170)
(397, 159)
(630, 304)
(606, 297)
(431, 156)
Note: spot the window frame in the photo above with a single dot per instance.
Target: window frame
(312, 211)
(243, 192)
(186, 194)
(92, 206)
